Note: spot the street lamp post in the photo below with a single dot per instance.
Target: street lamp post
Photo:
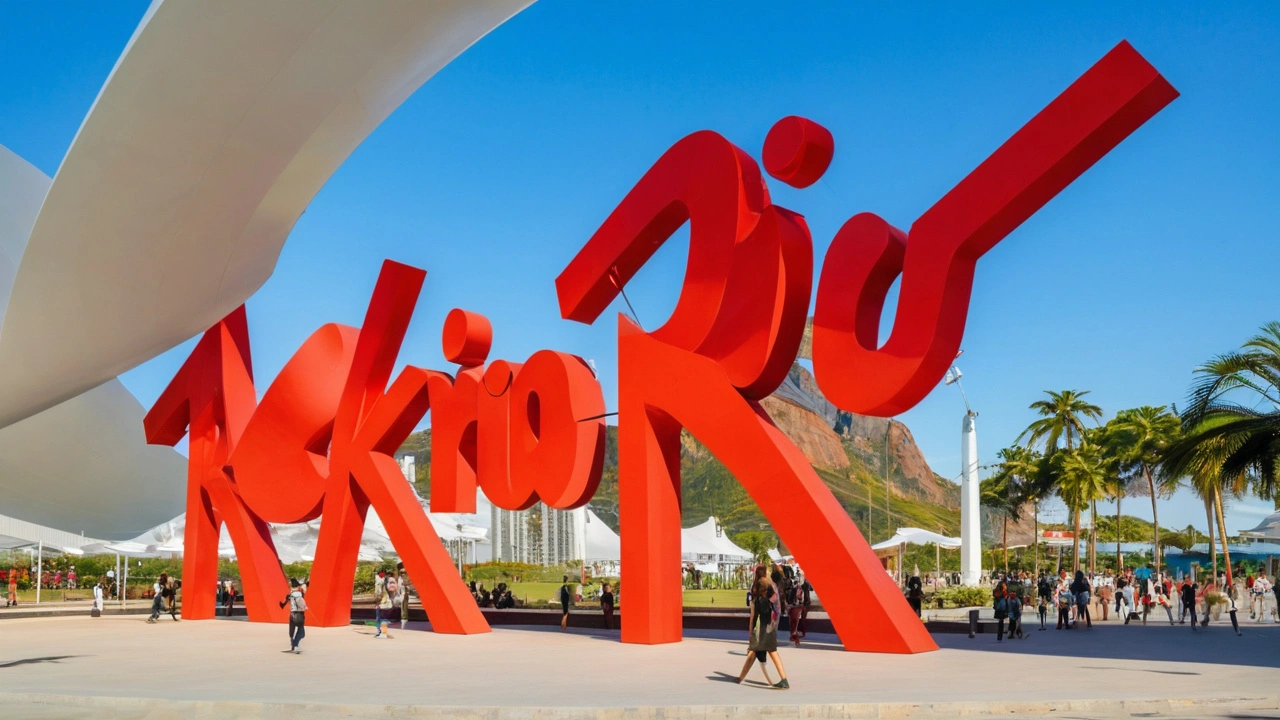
(970, 520)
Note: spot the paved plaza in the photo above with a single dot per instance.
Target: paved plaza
(122, 667)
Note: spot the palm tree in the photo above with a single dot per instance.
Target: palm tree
(1204, 467)
(1062, 417)
(1147, 433)
(1004, 490)
(1237, 400)
(1232, 423)
(1084, 480)
(1116, 446)
(1023, 466)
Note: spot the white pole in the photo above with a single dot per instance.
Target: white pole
(970, 520)
(39, 569)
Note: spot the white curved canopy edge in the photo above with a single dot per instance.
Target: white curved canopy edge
(218, 125)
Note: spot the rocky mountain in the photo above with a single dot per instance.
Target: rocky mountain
(848, 451)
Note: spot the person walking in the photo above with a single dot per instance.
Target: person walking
(395, 595)
(1105, 597)
(228, 596)
(806, 601)
(915, 594)
(1262, 588)
(382, 607)
(1161, 598)
(1015, 612)
(791, 596)
(1000, 603)
(170, 593)
(1275, 600)
(1080, 592)
(402, 579)
(1064, 602)
(763, 628)
(379, 586)
(296, 600)
(566, 600)
(606, 605)
(13, 588)
(1189, 588)
(97, 600)
(157, 597)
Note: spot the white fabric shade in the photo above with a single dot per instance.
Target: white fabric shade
(916, 536)
(701, 543)
(603, 544)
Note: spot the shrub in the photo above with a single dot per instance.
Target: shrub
(959, 597)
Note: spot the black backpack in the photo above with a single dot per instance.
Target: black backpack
(789, 592)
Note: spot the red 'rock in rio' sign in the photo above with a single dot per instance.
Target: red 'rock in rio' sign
(740, 315)
(321, 441)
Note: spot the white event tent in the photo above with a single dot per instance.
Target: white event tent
(916, 536)
(708, 547)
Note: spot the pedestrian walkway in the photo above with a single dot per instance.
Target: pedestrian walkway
(122, 665)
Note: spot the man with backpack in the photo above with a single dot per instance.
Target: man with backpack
(297, 615)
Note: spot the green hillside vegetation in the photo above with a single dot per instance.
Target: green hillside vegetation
(709, 489)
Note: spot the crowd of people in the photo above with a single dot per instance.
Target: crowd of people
(1135, 594)
(49, 579)
(499, 597)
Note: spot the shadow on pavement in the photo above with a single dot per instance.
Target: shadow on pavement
(55, 659)
(1216, 645)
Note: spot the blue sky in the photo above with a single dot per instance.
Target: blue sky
(496, 172)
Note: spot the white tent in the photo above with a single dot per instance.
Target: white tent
(297, 542)
(603, 544)
(916, 536)
(704, 544)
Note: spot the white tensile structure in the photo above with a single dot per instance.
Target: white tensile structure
(217, 126)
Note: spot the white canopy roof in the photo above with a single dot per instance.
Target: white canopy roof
(295, 542)
(916, 536)
(701, 543)
(215, 129)
(603, 544)
(1268, 529)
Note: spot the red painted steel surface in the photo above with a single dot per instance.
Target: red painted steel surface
(741, 311)
(323, 438)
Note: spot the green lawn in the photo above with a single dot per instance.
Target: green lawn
(715, 598)
(549, 592)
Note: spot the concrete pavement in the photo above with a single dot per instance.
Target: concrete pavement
(122, 667)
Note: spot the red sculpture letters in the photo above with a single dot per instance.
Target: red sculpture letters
(740, 316)
(322, 439)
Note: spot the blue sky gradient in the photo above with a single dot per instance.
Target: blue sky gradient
(497, 171)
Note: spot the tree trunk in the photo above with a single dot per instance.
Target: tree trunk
(1213, 546)
(1222, 532)
(1035, 511)
(1119, 535)
(1005, 541)
(1076, 540)
(1155, 516)
(1093, 536)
